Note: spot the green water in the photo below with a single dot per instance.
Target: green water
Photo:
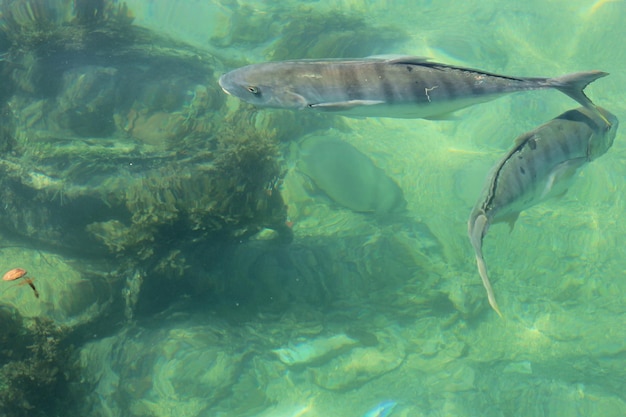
(381, 308)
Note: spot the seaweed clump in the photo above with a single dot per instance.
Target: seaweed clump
(124, 144)
(332, 35)
(227, 193)
(36, 379)
(115, 142)
(51, 24)
(43, 34)
(305, 32)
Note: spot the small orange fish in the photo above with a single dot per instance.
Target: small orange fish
(14, 274)
(17, 273)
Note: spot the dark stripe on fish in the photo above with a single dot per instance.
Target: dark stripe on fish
(473, 86)
(564, 146)
(467, 83)
(387, 89)
(447, 89)
(533, 171)
(418, 93)
(354, 89)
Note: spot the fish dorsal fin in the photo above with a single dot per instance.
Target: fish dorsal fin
(404, 59)
(345, 105)
(521, 139)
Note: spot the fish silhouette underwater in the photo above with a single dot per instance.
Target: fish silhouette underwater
(347, 176)
(542, 164)
(396, 86)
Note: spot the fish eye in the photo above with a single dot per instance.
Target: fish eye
(252, 89)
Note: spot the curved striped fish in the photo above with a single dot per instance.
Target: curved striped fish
(402, 87)
(541, 165)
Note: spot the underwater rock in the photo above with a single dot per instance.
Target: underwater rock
(519, 367)
(348, 176)
(337, 35)
(11, 333)
(178, 368)
(468, 303)
(25, 16)
(288, 125)
(288, 31)
(360, 365)
(455, 377)
(67, 295)
(438, 357)
(315, 350)
(329, 264)
(288, 409)
(243, 25)
(382, 410)
(526, 395)
(156, 128)
(86, 102)
(168, 109)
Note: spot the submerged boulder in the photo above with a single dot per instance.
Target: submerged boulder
(361, 364)
(348, 176)
(183, 369)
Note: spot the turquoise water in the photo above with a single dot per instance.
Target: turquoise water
(148, 208)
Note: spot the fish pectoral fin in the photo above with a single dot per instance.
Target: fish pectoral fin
(294, 100)
(558, 180)
(345, 105)
(510, 219)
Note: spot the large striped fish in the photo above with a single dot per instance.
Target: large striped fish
(541, 165)
(404, 87)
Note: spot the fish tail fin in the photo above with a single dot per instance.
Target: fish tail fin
(573, 86)
(477, 227)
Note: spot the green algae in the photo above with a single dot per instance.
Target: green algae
(36, 379)
(337, 35)
(128, 156)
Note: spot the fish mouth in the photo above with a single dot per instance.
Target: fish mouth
(221, 83)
